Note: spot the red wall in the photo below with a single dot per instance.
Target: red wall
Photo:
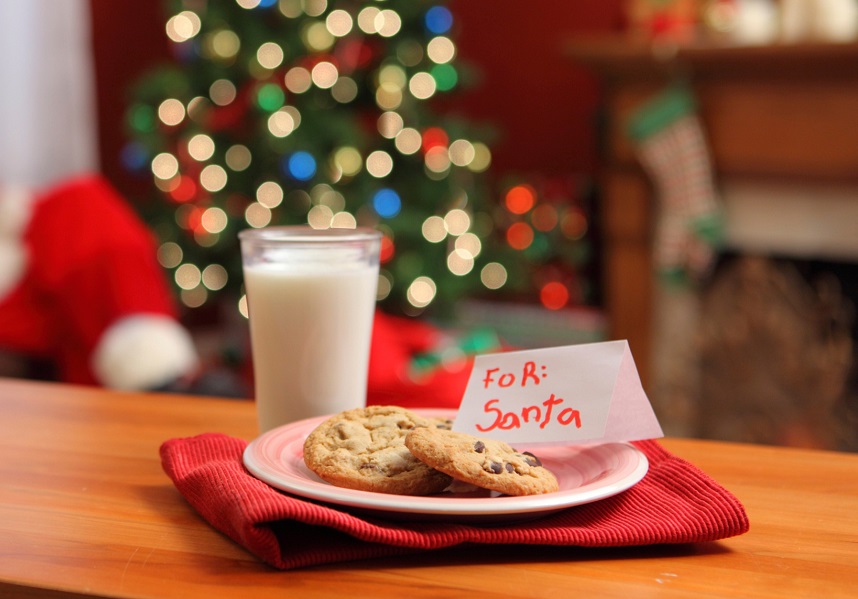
(541, 103)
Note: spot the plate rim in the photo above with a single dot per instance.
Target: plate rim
(433, 505)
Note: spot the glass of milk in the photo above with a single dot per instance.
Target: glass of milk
(311, 298)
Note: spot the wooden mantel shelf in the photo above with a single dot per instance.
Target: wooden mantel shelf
(624, 56)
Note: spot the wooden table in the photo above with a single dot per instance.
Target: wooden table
(85, 510)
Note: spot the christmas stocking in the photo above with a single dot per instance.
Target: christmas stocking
(672, 147)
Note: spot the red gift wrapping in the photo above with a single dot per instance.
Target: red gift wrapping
(674, 503)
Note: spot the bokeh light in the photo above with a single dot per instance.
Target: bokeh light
(344, 90)
(460, 262)
(388, 23)
(574, 224)
(343, 220)
(461, 152)
(385, 285)
(554, 295)
(438, 20)
(171, 112)
(434, 137)
(366, 19)
(421, 292)
(185, 190)
(257, 216)
(320, 217)
(422, 86)
(386, 203)
(214, 220)
(390, 124)
(482, 158)
(187, 276)
(213, 177)
(379, 164)
(201, 147)
(387, 250)
(165, 166)
(270, 55)
(445, 76)
(214, 277)
(519, 236)
(281, 123)
(301, 166)
(457, 222)
(519, 199)
(223, 44)
(269, 194)
(441, 50)
(493, 275)
(298, 80)
(544, 217)
(170, 254)
(183, 26)
(222, 92)
(317, 37)
(270, 97)
(238, 157)
(324, 74)
(339, 23)
(433, 229)
(348, 160)
(408, 141)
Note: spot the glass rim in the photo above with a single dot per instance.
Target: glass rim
(303, 233)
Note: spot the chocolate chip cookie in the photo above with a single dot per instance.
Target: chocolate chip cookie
(486, 463)
(365, 449)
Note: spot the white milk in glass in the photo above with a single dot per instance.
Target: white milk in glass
(310, 330)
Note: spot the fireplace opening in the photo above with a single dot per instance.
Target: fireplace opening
(777, 340)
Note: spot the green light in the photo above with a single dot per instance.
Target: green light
(270, 97)
(539, 247)
(445, 76)
(142, 118)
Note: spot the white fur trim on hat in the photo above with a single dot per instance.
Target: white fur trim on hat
(15, 211)
(144, 352)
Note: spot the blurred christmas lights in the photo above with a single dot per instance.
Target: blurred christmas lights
(318, 114)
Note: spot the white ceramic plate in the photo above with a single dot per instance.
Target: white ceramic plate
(585, 473)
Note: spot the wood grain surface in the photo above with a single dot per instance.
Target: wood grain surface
(85, 510)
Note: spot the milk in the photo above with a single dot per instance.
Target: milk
(310, 330)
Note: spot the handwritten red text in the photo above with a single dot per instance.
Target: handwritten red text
(536, 414)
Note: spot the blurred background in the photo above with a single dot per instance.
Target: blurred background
(678, 173)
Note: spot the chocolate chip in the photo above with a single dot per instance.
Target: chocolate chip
(509, 467)
(479, 447)
(531, 459)
(496, 467)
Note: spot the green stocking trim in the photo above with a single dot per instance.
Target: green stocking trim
(660, 112)
(674, 277)
(709, 228)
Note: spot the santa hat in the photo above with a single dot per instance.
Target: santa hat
(80, 285)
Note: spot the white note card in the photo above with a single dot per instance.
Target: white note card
(572, 394)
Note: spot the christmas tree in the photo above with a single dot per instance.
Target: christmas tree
(320, 112)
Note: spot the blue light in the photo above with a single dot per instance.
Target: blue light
(266, 3)
(386, 203)
(134, 156)
(438, 20)
(301, 166)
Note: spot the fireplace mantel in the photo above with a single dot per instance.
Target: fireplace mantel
(776, 117)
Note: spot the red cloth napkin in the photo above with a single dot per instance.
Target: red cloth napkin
(674, 503)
